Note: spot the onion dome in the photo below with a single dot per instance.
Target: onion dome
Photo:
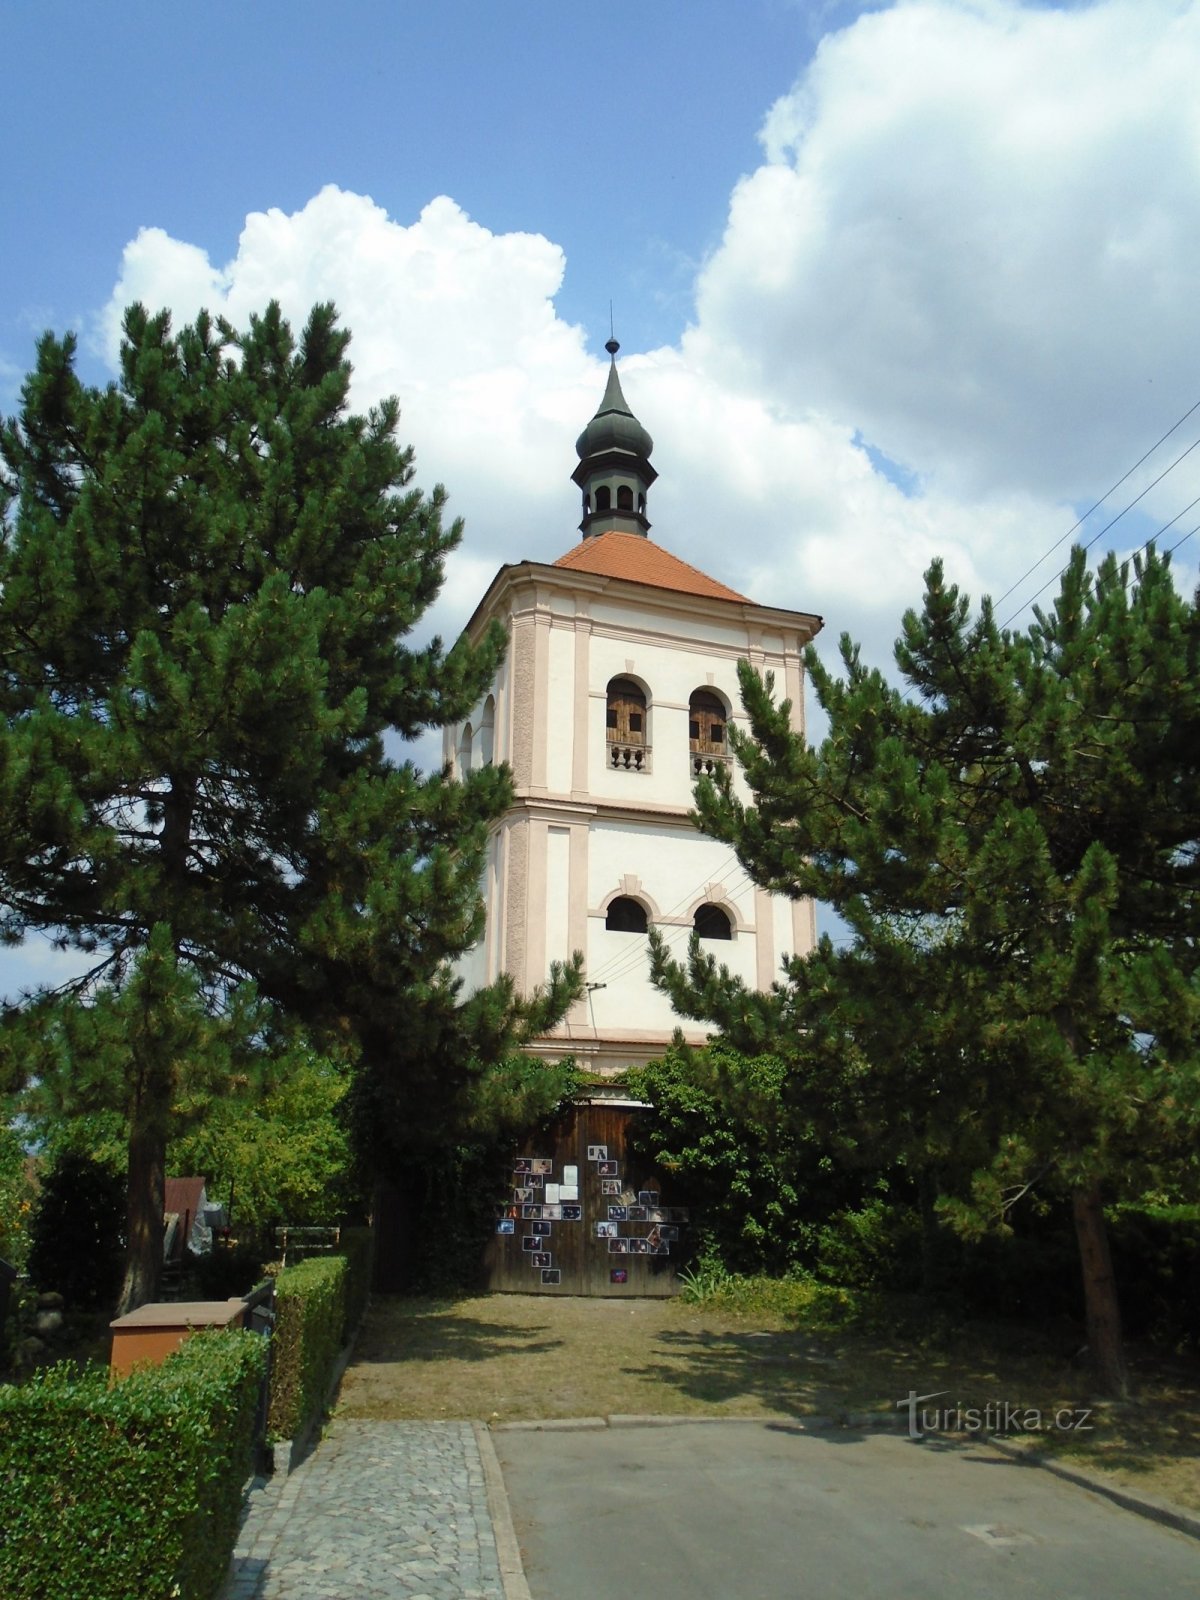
(614, 470)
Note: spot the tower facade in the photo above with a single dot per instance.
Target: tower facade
(617, 690)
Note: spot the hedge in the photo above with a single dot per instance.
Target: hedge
(357, 1246)
(131, 1491)
(310, 1321)
(318, 1304)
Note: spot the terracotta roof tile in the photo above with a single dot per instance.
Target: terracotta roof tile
(639, 560)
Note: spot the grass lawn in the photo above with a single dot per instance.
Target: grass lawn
(505, 1358)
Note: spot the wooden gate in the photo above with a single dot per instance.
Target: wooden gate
(584, 1217)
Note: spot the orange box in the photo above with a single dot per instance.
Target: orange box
(150, 1334)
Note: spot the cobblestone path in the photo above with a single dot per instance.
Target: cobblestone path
(380, 1511)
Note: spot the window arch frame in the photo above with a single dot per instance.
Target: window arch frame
(620, 706)
(714, 907)
(624, 898)
(704, 719)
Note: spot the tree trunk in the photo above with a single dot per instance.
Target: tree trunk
(1105, 1345)
(147, 1196)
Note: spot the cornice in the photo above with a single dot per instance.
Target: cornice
(516, 575)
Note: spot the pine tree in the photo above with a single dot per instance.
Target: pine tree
(1014, 840)
(207, 576)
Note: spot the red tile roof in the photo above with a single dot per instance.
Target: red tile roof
(638, 560)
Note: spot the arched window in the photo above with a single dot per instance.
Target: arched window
(625, 915)
(710, 922)
(624, 498)
(625, 717)
(487, 732)
(706, 724)
(464, 750)
(641, 502)
(587, 504)
(603, 498)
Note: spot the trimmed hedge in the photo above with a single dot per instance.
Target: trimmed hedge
(131, 1491)
(310, 1320)
(318, 1304)
(357, 1246)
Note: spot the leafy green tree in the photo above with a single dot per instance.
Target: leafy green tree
(16, 1198)
(208, 574)
(722, 1129)
(1014, 839)
(280, 1147)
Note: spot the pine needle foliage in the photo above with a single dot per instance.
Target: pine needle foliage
(210, 574)
(1013, 836)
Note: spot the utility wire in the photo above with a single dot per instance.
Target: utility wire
(1100, 502)
(1110, 524)
(628, 961)
(730, 863)
(625, 961)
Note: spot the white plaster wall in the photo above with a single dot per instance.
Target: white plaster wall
(785, 934)
(558, 883)
(472, 968)
(559, 710)
(673, 866)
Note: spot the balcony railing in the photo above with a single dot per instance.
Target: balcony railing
(704, 765)
(629, 757)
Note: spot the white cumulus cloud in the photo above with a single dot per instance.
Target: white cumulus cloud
(952, 303)
(974, 236)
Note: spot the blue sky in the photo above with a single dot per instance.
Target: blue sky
(617, 131)
(891, 282)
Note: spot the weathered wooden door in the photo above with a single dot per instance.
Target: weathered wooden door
(583, 1217)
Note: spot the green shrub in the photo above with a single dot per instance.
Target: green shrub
(226, 1271)
(1156, 1257)
(310, 1320)
(797, 1298)
(132, 1490)
(719, 1129)
(876, 1245)
(357, 1245)
(77, 1237)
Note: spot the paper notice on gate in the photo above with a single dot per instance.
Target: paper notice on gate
(570, 1175)
(568, 1191)
(553, 1193)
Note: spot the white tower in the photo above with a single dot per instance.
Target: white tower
(617, 690)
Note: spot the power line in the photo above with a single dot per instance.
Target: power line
(627, 961)
(1174, 428)
(1111, 524)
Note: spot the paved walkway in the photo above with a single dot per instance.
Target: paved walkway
(380, 1511)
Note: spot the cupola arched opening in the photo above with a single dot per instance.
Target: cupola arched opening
(624, 498)
(603, 498)
(464, 749)
(626, 915)
(711, 922)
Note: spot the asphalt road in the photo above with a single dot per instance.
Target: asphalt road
(740, 1511)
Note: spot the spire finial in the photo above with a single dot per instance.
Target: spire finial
(612, 346)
